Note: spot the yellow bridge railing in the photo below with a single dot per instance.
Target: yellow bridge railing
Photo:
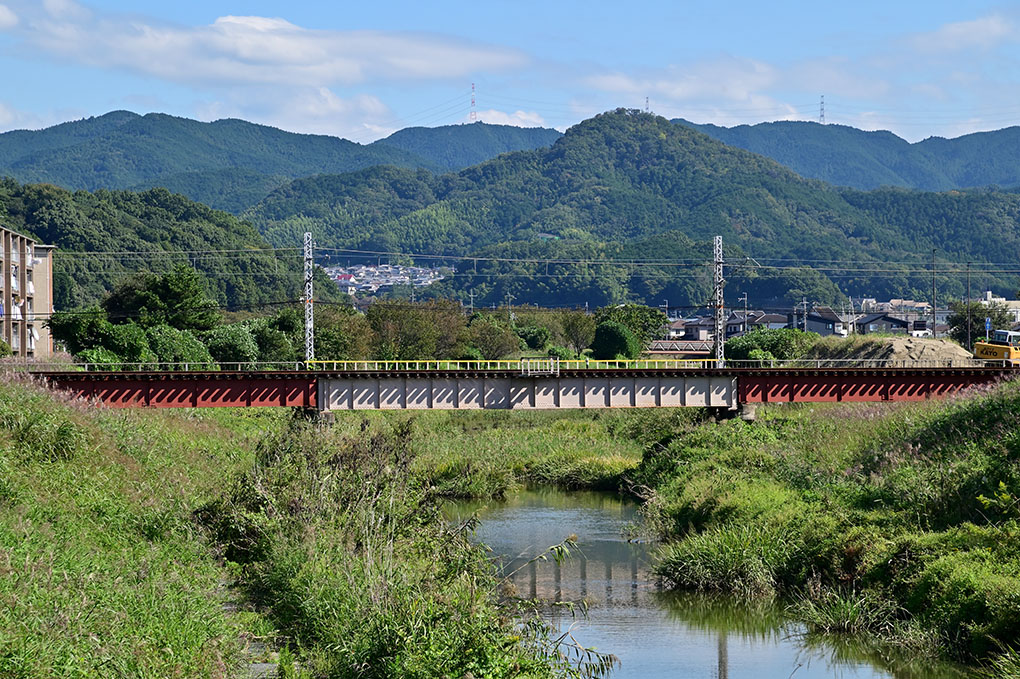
(525, 365)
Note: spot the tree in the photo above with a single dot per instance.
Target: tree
(535, 336)
(493, 337)
(578, 329)
(342, 334)
(645, 323)
(171, 345)
(232, 344)
(177, 299)
(770, 343)
(1002, 319)
(410, 332)
(614, 340)
(80, 330)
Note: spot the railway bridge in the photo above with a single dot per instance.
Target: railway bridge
(525, 384)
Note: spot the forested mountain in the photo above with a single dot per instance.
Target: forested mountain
(454, 147)
(104, 236)
(846, 156)
(626, 185)
(231, 164)
(124, 150)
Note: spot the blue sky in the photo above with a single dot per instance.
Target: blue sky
(364, 69)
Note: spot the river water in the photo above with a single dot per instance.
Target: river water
(654, 633)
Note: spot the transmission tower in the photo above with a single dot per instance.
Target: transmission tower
(309, 311)
(821, 110)
(720, 322)
(473, 116)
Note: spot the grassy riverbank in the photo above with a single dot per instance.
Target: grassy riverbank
(102, 570)
(124, 533)
(897, 521)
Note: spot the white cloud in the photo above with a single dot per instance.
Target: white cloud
(8, 19)
(306, 110)
(729, 78)
(255, 50)
(15, 119)
(517, 118)
(65, 9)
(983, 33)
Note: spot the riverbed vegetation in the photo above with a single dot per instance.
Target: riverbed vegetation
(192, 543)
(898, 521)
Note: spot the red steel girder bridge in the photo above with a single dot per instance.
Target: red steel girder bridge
(521, 385)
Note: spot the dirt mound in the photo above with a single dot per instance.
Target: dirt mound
(894, 349)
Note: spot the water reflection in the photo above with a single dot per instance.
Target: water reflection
(654, 633)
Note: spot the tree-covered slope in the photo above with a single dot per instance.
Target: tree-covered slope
(122, 150)
(846, 156)
(232, 164)
(454, 147)
(104, 236)
(626, 185)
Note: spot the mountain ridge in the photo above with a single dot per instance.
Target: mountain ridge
(846, 156)
(125, 150)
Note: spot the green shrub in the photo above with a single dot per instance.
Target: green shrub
(614, 340)
(781, 343)
(535, 336)
(232, 344)
(562, 353)
(171, 345)
(100, 359)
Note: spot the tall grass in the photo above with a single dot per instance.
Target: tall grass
(102, 569)
(340, 544)
(911, 506)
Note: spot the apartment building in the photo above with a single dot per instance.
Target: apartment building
(27, 294)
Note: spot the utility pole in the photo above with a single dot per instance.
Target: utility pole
(471, 296)
(744, 299)
(665, 304)
(805, 314)
(934, 333)
(720, 327)
(509, 313)
(309, 310)
(969, 312)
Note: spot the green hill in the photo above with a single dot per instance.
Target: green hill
(626, 185)
(231, 164)
(104, 236)
(124, 150)
(846, 156)
(454, 147)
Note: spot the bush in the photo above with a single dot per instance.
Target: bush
(781, 343)
(535, 336)
(231, 344)
(493, 338)
(273, 343)
(613, 340)
(171, 345)
(104, 359)
(561, 353)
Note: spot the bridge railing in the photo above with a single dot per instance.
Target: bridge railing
(530, 366)
(149, 366)
(863, 363)
(525, 366)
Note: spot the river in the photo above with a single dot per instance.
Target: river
(654, 633)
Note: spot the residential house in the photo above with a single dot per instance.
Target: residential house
(881, 322)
